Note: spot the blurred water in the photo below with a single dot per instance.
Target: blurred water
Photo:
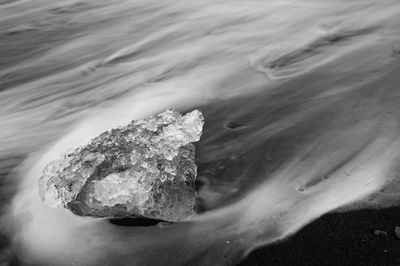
(300, 100)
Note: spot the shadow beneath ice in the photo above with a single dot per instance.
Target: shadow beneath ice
(135, 221)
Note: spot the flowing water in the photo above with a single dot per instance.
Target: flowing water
(300, 97)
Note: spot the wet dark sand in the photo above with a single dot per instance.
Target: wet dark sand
(337, 239)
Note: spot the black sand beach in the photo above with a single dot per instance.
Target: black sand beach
(337, 239)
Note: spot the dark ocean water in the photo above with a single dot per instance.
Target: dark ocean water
(300, 98)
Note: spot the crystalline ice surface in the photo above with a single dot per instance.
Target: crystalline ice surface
(144, 169)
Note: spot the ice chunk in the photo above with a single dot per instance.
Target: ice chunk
(145, 169)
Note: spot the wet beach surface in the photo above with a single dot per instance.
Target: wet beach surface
(300, 100)
(337, 239)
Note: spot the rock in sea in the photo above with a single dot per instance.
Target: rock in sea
(145, 169)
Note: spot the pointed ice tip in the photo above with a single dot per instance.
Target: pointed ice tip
(195, 116)
(196, 113)
(194, 122)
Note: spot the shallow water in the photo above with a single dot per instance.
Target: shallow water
(300, 100)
